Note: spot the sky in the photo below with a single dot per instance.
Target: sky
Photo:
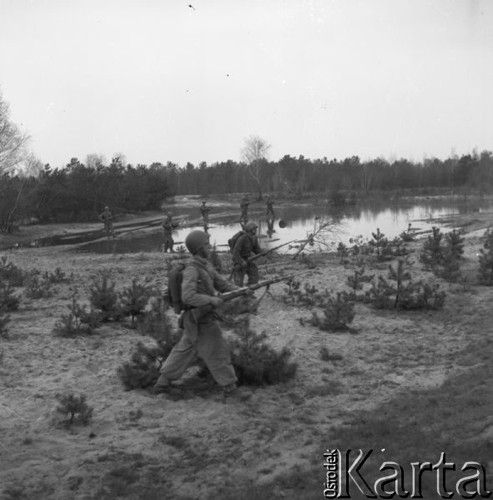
(190, 81)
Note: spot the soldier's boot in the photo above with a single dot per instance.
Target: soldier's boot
(234, 393)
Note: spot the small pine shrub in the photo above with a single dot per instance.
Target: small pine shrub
(255, 362)
(356, 281)
(338, 313)
(432, 250)
(79, 321)
(400, 292)
(38, 287)
(104, 298)
(8, 300)
(133, 299)
(10, 273)
(57, 276)
(485, 272)
(4, 320)
(454, 244)
(145, 362)
(74, 409)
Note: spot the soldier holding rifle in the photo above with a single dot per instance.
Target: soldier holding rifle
(245, 246)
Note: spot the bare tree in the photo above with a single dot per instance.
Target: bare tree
(13, 143)
(254, 153)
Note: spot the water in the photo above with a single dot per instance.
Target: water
(303, 220)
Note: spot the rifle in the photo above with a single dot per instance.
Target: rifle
(246, 289)
(267, 252)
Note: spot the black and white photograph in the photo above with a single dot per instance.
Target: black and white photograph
(246, 249)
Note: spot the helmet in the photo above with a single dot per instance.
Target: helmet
(196, 240)
(250, 225)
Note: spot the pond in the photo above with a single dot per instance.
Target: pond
(303, 220)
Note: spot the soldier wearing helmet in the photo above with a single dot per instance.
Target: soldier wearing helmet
(246, 245)
(202, 336)
(106, 217)
(204, 211)
(244, 203)
(168, 227)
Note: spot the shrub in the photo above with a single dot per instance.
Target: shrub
(485, 273)
(432, 250)
(8, 301)
(57, 276)
(38, 288)
(402, 293)
(4, 320)
(338, 313)
(104, 298)
(10, 273)
(145, 362)
(74, 409)
(78, 322)
(356, 282)
(255, 362)
(133, 299)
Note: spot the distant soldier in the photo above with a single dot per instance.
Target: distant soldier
(168, 227)
(106, 217)
(244, 203)
(245, 247)
(269, 204)
(204, 210)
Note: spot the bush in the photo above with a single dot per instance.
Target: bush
(356, 282)
(145, 362)
(38, 288)
(10, 273)
(74, 409)
(104, 298)
(432, 250)
(485, 273)
(402, 293)
(8, 301)
(256, 363)
(133, 299)
(4, 320)
(78, 322)
(338, 313)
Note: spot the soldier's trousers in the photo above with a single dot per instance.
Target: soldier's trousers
(251, 271)
(201, 339)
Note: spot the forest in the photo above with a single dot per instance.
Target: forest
(79, 191)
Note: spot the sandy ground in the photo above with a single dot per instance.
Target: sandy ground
(140, 446)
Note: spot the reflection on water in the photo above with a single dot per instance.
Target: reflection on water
(302, 221)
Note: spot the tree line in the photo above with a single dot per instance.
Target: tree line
(79, 191)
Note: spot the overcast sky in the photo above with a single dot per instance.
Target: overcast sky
(173, 80)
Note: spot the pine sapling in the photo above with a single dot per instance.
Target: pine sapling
(485, 272)
(8, 300)
(432, 250)
(133, 299)
(74, 409)
(104, 298)
(338, 313)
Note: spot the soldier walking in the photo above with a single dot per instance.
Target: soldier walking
(245, 247)
(168, 227)
(202, 336)
(244, 203)
(106, 217)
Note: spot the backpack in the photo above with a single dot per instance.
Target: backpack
(175, 279)
(232, 241)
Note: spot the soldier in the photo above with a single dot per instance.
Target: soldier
(106, 217)
(204, 210)
(269, 208)
(244, 210)
(202, 335)
(168, 227)
(245, 246)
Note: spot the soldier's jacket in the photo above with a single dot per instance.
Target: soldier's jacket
(200, 280)
(245, 246)
(168, 227)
